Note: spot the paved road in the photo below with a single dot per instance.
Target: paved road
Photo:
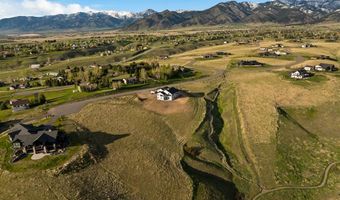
(322, 183)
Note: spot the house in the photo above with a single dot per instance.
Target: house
(52, 74)
(35, 66)
(19, 104)
(325, 67)
(31, 139)
(267, 54)
(280, 53)
(131, 80)
(164, 57)
(278, 45)
(167, 94)
(300, 74)
(307, 45)
(14, 87)
(87, 87)
(209, 56)
(222, 53)
(308, 68)
(324, 57)
(250, 63)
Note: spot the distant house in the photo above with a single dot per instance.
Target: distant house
(222, 53)
(267, 54)
(307, 45)
(278, 45)
(13, 86)
(19, 104)
(131, 80)
(52, 74)
(167, 94)
(324, 57)
(281, 53)
(250, 63)
(243, 42)
(209, 56)
(87, 87)
(164, 57)
(325, 67)
(31, 139)
(35, 66)
(300, 74)
(308, 68)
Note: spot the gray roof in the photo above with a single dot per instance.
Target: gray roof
(29, 134)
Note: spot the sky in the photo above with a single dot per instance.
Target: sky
(11, 8)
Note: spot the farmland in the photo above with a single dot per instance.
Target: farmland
(238, 132)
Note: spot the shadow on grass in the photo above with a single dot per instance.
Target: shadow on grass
(6, 125)
(96, 141)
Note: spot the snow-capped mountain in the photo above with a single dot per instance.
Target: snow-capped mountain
(273, 11)
(314, 5)
(127, 14)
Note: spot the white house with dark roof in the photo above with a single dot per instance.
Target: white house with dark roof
(167, 94)
(19, 104)
(300, 74)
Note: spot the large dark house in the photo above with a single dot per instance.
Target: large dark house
(36, 139)
(325, 67)
(250, 63)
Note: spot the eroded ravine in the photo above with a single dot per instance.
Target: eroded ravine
(210, 180)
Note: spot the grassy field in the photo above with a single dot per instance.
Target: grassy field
(150, 148)
(273, 131)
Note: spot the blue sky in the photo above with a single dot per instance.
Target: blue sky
(11, 8)
(141, 5)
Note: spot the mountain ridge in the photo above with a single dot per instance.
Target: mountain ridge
(277, 11)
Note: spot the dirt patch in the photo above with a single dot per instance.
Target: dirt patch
(39, 156)
(150, 103)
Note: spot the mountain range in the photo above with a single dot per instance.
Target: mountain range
(231, 12)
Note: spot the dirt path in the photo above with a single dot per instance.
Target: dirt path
(298, 60)
(322, 183)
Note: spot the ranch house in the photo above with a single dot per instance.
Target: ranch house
(30, 139)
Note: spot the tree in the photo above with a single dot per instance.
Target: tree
(143, 76)
(41, 99)
(3, 105)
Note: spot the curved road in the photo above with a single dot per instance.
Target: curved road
(322, 183)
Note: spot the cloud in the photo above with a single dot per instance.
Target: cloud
(11, 8)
